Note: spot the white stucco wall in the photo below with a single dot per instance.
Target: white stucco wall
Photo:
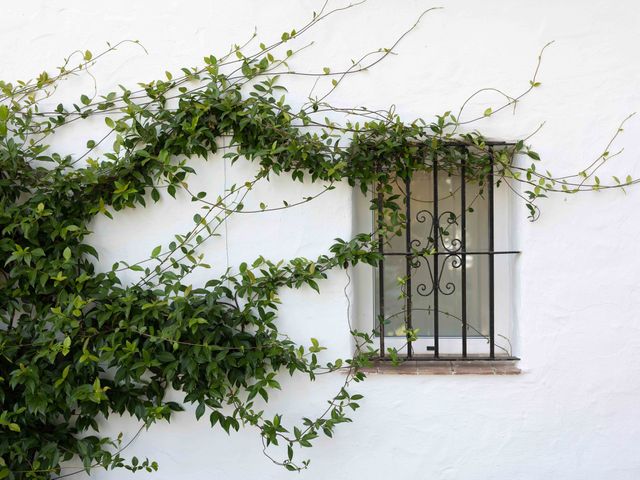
(575, 411)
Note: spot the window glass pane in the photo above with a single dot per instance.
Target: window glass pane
(477, 218)
(447, 266)
(477, 295)
(394, 268)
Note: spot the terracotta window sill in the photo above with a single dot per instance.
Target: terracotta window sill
(446, 367)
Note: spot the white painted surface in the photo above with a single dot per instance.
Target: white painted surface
(575, 412)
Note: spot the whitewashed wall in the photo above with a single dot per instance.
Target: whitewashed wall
(575, 411)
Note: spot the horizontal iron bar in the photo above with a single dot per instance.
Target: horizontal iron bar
(490, 143)
(453, 358)
(505, 252)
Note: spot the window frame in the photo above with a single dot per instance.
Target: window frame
(441, 251)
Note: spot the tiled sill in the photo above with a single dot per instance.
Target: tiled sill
(443, 366)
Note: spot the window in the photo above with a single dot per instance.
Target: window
(444, 275)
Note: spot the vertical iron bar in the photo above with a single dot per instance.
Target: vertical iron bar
(409, 324)
(492, 333)
(381, 271)
(436, 274)
(463, 251)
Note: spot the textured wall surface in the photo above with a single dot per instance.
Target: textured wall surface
(575, 411)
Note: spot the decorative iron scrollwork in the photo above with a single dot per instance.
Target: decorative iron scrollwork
(454, 260)
(452, 247)
(450, 219)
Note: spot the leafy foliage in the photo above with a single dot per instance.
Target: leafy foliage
(77, 344)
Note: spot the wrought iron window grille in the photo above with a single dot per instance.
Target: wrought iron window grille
(431, 255)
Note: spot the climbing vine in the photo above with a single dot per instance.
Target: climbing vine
(77, 343)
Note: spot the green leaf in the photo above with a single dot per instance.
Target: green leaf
(165, 357)
(200, 410)
(66, 253)
(66, 346)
